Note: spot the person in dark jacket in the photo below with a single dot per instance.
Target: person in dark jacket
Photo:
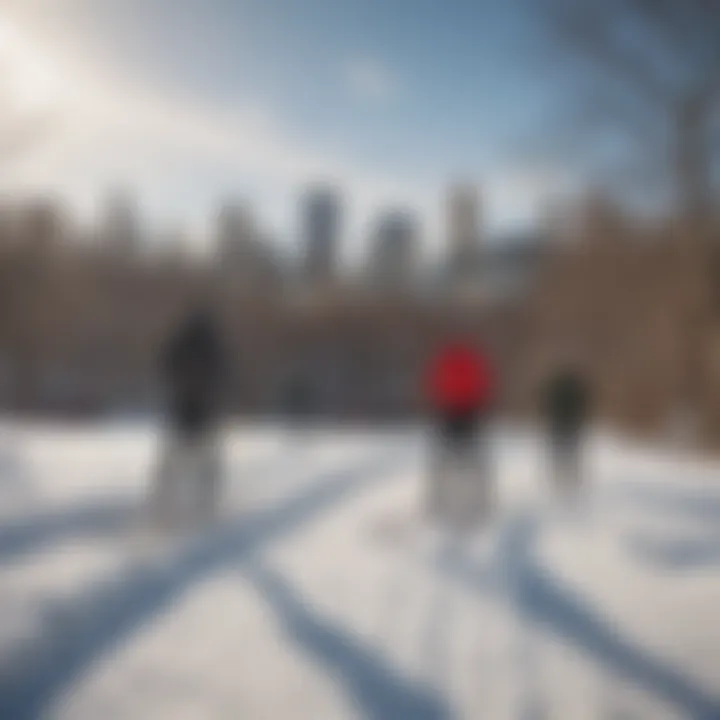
(567, 409)
(192, 370)
(192, 367)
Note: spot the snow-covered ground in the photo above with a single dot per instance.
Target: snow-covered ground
(323, 594)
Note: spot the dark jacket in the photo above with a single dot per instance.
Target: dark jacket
(567, 403)
(192, 365)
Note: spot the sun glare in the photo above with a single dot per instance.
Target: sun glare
(29, 81)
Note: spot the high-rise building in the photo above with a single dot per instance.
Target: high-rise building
(321, 218)
(394, 249)
(463, 221)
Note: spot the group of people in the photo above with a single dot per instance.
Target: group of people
(460, 388)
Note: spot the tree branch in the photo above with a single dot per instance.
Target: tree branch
(589, 31)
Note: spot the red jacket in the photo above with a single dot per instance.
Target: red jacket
(459, 380)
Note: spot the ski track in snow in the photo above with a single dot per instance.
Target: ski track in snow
(321, 592)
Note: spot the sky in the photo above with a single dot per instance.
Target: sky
(192, 103)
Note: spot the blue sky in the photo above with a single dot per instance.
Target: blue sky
(193, 101)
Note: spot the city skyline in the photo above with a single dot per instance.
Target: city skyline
(184, 102)
(241, 248)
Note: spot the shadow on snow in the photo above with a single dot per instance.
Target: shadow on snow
(542, 600)
(95, 622)
(376, 688)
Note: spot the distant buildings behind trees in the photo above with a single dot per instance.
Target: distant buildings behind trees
(82, 311)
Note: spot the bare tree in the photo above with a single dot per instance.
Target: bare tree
(645, 75)
(649, 72)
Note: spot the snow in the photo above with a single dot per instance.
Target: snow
(323, 593)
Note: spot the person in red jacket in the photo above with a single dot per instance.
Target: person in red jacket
(459, 388)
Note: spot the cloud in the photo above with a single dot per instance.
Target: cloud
(183, 156)
(370, 81)
(155, 136)
(109, 130)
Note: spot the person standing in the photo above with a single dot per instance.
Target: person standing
(192, 369)
(459, 387)
(566, 409)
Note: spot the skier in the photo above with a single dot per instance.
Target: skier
(566, 410)
(191, 365)
(459, 387)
